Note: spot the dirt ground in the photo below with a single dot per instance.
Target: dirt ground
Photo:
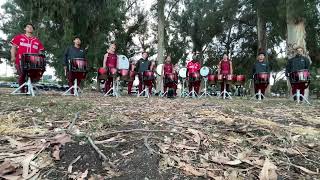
(48, 137)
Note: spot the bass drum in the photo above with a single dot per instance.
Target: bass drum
(183, 73)
(159, 69)
(122, 62)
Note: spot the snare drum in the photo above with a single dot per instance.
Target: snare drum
(212, 79)
(195, 76)
(302, 76)
(78, 65)
(220, 78)
(170, 78)
(261, 78)
(33, 62)
(239, 79)
(123, 74)
(102, 73)
(229, 78)
(148, 75)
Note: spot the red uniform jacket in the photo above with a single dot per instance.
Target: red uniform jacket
(167, 68)
(225, 67)
(111, 60)
(193, 66)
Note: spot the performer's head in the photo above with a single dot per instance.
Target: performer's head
(112, 48)
(299, 51)
(144, 55)
(168, 59)
(261, 56)
(29, 28)
(77, 41)
(225, 56)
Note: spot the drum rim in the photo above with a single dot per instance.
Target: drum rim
(207, 72)
(184, 70)
(159, 68)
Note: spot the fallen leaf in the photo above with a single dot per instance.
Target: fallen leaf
(7, 167)
(192, 171)
(25, 165)
(62, 139)
(268, 171)
(56, 152)
(82, 176)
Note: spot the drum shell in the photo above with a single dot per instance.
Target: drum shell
(302, 76)
(220, 78)
(195, 76)
(229, 78)
(148, 75)
(239, 79)
(112, 72)
(78, 65)
(33, 62)
(123, 74)
(261, 78)
(171, 78)
(102, 74)
(212, 79)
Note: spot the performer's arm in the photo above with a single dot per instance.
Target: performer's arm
(13, 52)
(231, 69)
(253, 71)
(288, 68)
(105, 60)
(307, 63)
(219, 67)
(65, 61)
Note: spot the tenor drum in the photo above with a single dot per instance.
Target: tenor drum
(261, 78)
(195, 76)
(220, 78)
(212, 79)
(171, 78)
(30, 62)
(302, 76)
(102, 74)
(124, 74)
(148, 75)
(239, 79)
(112, 72)
(78, 65)
(230, 78)
(159, 69)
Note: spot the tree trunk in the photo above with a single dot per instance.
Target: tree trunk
(262, 31)
(161, 24)
(296, 32)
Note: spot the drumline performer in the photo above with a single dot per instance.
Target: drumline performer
(110, 61)
(131, 68)
(169, 68)
(73, 52)
(142, 65)
(21, 44)
(194, 66)
(225, 68)
(297, 63)
(261, 66)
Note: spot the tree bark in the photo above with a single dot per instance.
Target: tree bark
(261, 30)
(161, 24)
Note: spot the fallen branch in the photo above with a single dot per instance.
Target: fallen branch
(104, 157)
(146, 130)
(73, 122)
(151, 150)
(72, 162)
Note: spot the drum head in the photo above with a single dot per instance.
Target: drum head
(159, 69)
(123, 62)
(136, 81)
(204, 71)
(183, 72)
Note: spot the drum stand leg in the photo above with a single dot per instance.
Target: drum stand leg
(193, 93)
(29, 86)
(164, 94)
(225, 92)
(114, 89)
(298, 95)
(183, 90)
(259, 94)
(145, 90)
(205, 92)
(75, 88)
